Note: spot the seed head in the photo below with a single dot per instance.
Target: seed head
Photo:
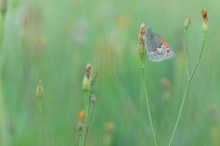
(86, 84)
(187, 23)
(82, 116)
(204, 14)
(88, 70)
(141, 40)
(39, 90)
(141, 48)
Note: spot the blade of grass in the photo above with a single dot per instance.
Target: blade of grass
(185, 52)
(147, 103)
(142, 54)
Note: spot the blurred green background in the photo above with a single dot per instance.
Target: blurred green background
(54, 40)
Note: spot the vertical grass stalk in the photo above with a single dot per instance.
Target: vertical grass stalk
(43, 125)
(78, 139)
(3, 9)
(142, 54)
(87, 86)
(187, 86)
(87, 118)
(185, 53)
(5, 137)
(90, 111)
(80, 127)
(147, 103)
(39, 94)
(186, 26)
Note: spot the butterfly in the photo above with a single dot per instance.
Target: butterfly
(157, 48)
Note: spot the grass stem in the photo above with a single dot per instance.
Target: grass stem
(87, 121)
(78, 139)
(43, 125)
(186, 89)
(185, 53)
(147, 101)
(2, 29)
(89, 112)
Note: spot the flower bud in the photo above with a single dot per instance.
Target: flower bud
(88, 70)
(81, 120)
(86, 85)
(205, 27)
(82, 116)
(204, 14)
(39, 90)
(187, 23)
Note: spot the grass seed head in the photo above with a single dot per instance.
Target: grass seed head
(39, 90)
(204, 14)
(187, 23)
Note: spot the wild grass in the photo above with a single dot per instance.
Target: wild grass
(89, 105)
(189, 78)
(142, 54)
(54, 40)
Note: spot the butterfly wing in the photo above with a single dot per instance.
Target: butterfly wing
(159, 54)
(169, 53)
(156, 51)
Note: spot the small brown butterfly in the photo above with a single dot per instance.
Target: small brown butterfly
(157, 48)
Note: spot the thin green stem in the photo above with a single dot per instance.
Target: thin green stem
(185, 52)
(89, 117)
(200, 55)
(147, 101)
(92, 111)
(2, 29)
(43, 125)
(87, 125)
(186, 89)
(87, 95)
(78, 139)
(4, 132)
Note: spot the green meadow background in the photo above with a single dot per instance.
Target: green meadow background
(54, 40)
